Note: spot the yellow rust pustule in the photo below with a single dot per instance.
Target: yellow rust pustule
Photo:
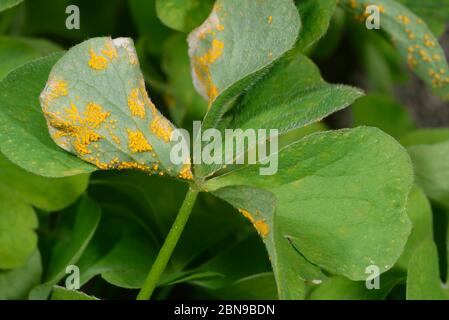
(97, 62)
(186, 172)
(137, 142)
(136, 104)
(260, 224)
(79, 126)
(161, 128)
(202, 67)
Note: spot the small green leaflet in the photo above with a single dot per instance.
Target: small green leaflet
(97, 108)
(183, 15)
(412, 37)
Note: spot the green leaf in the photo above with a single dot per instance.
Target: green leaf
(315, 16)
(6, 4)
(107, 118)
(423, 280)
(17, 237)
(427, 136)
(230, 265)
(183, 15)
(225, 57)
(435, 13)
(24, 137)
(16, 51)
(292, 95)
(61, 293)
(120, 251)
(68, 251)
(148, 24)
(415, 42)
(340, 197)
(153, 202)
(420, 213)
(50, 194)
(183, 101)
(432, 169)
(17, 283)
(341, 288)
(383, 112)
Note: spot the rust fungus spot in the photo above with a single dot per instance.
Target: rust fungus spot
(135, 104)
(78, 127)
(137, 142)
(109, 50)
(97, 62)
(261, 226)
(202, 67)
(161, 128)
(186, 173)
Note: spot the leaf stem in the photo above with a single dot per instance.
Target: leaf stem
(169, 245)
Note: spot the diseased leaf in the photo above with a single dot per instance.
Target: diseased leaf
(68, 251)
(383, 112)
(340, 198)
(50, 194)
(6, 4)
(61, 293)
(290, 268)
(435, 13)
(183, 15)
(16, 283)
(97, 108)
(423, 280)
(315, 16)
(17, 237)
(24, 137)
(415, 42)
(236, 43)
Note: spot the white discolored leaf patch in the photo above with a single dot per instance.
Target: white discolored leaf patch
(97, 107)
